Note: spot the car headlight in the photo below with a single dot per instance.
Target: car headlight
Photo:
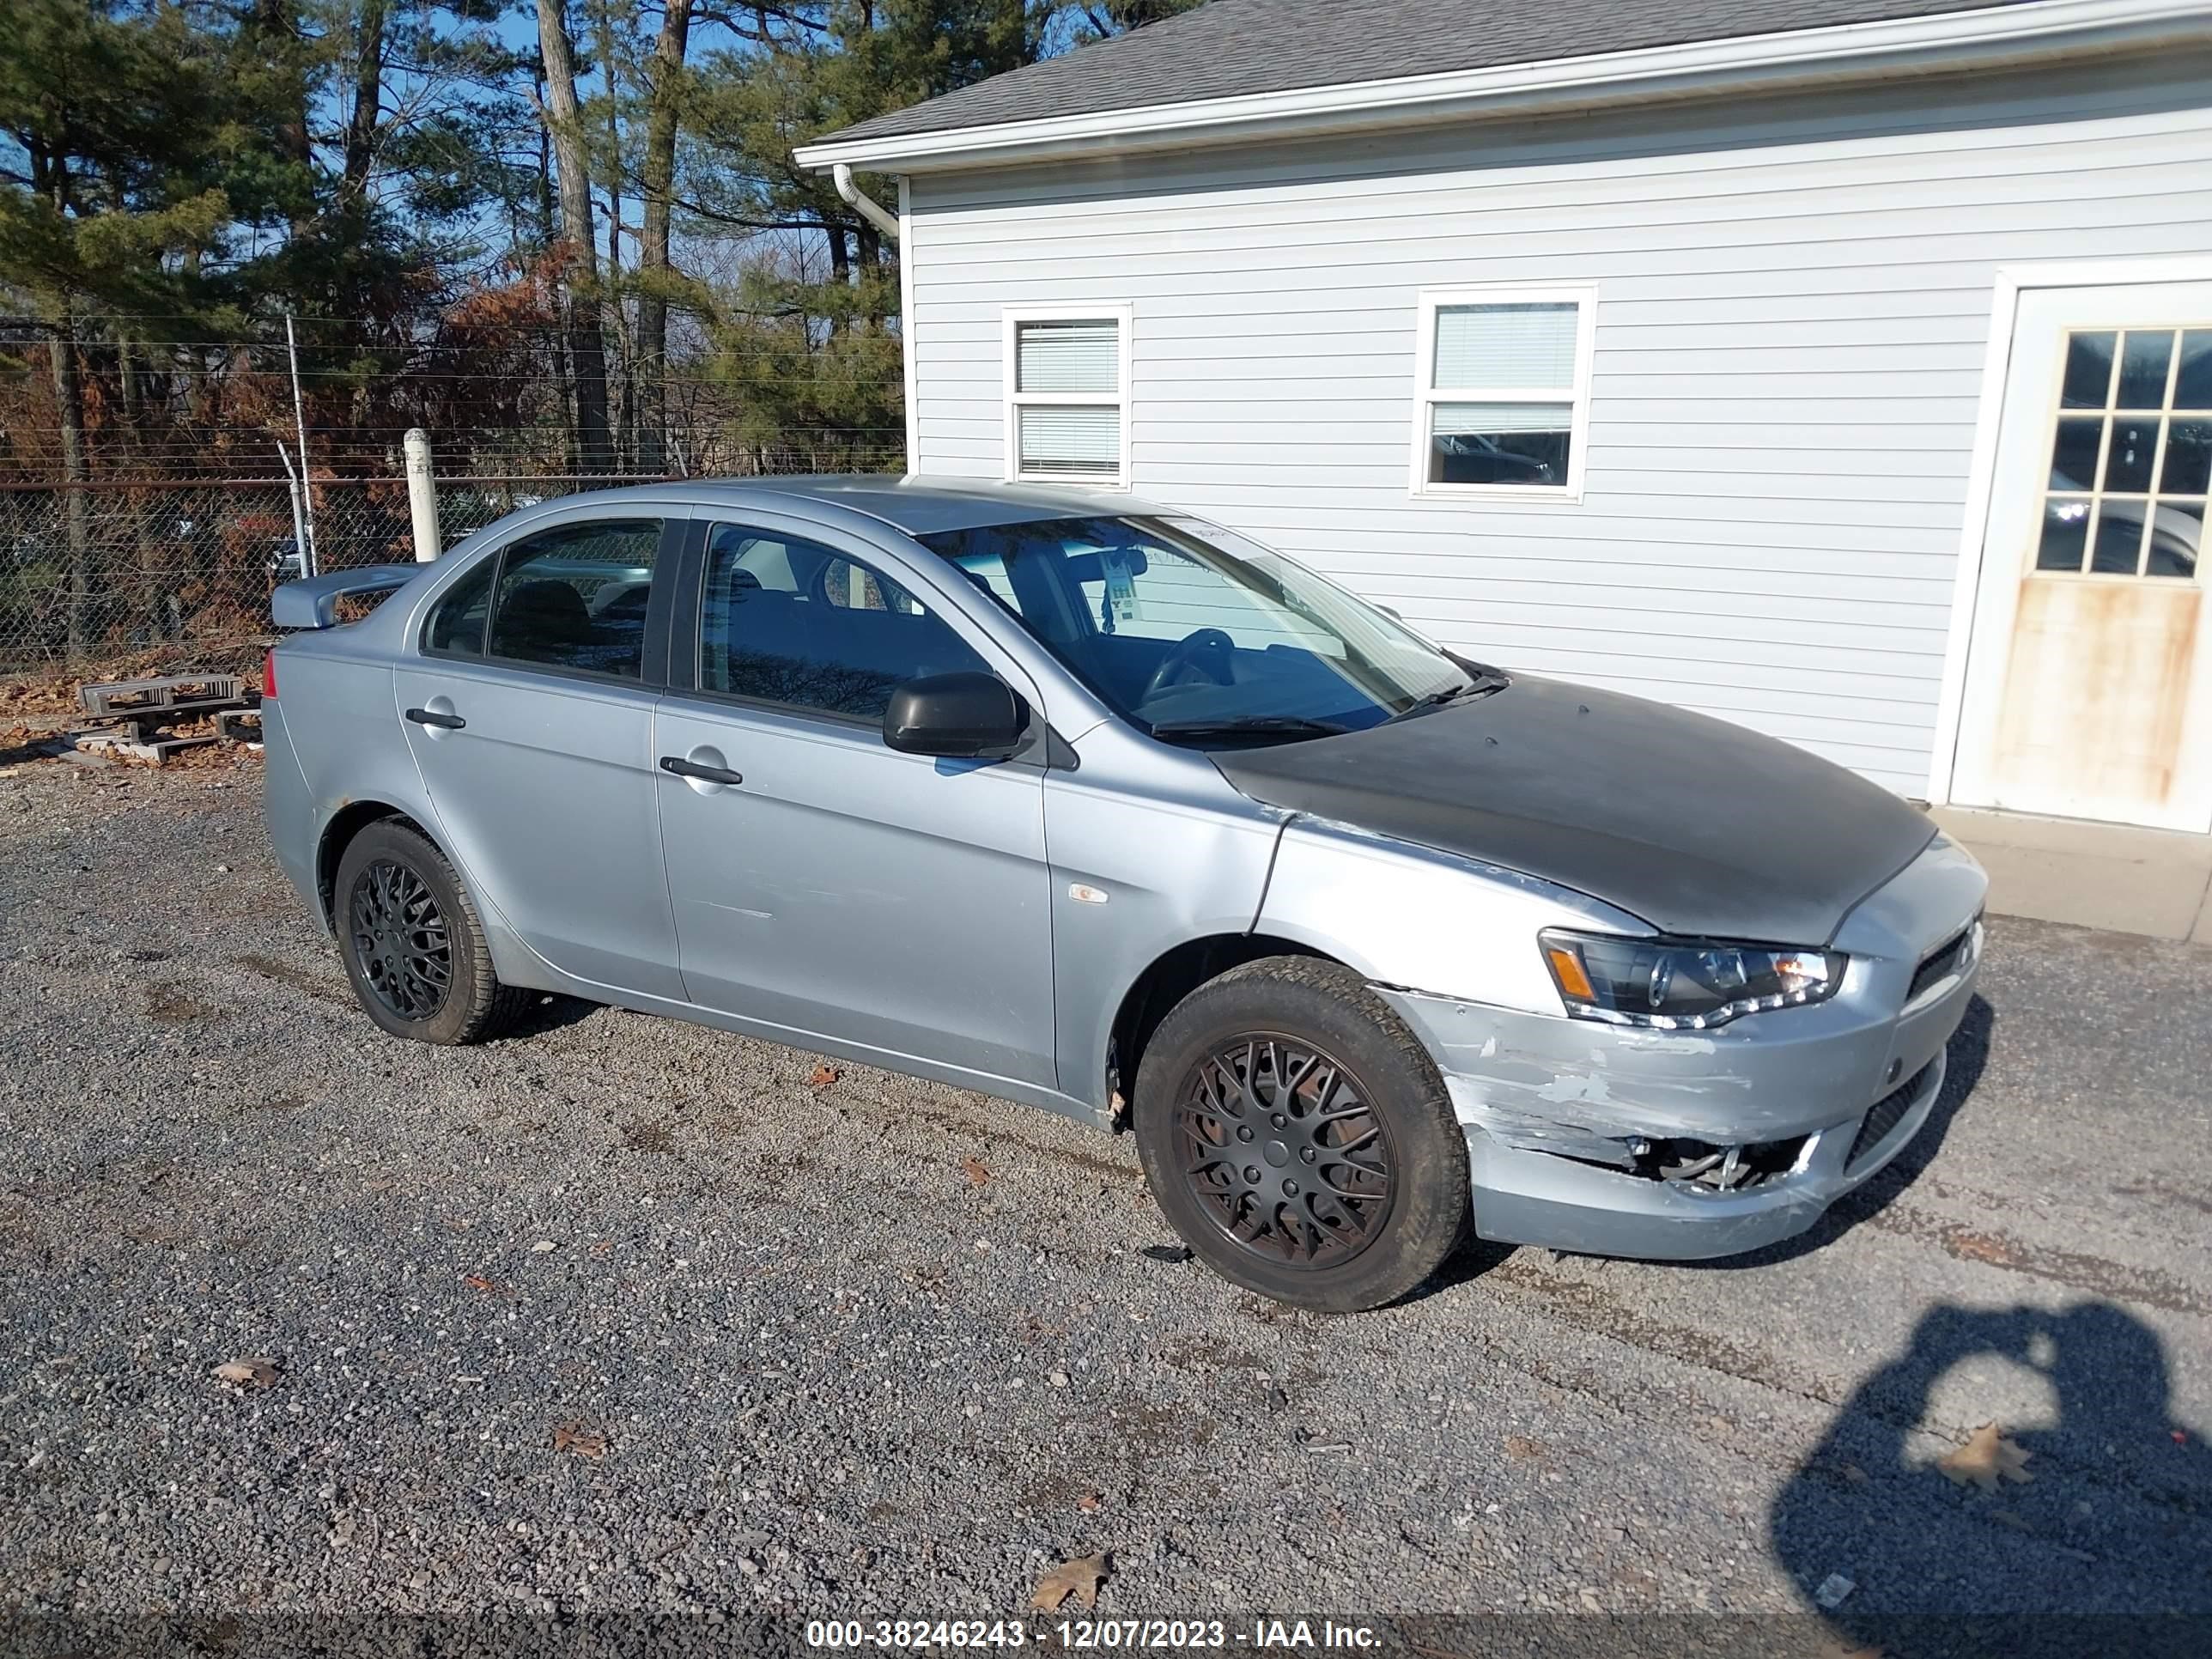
(1682, 985)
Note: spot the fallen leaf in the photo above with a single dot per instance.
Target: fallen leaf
(1979, 1246)
(488, 1286)
(2180, 1436)
(1519, 1445)
(1166, 1252)
(1986, 1458)
(573, 1437)
(975, 1170)
(249, 1373)
(1089, 1502)
(1079, 1578)
(823, 1076)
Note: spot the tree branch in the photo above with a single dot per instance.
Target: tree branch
(702, 211)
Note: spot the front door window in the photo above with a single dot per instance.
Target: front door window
(788, 621)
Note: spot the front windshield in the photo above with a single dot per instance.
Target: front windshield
(1197, 636)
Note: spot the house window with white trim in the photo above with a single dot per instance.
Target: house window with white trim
(1502, 391)
(1067, 395)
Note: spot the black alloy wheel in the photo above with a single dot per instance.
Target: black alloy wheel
(401, 940)
(1281, 1149)
(1298, 1137)
(412, 942)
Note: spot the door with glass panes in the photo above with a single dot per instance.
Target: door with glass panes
(2089, 690)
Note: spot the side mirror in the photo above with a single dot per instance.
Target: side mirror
(966, 716)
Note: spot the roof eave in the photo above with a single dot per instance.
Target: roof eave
(1929, 44)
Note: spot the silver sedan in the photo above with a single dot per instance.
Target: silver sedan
(1096, 805)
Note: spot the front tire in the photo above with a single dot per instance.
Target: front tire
(1298, 1137)
(413, 947)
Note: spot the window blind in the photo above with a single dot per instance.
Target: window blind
(1530, 344)
(1071, 357)
(1504, 418)
(1085, 439)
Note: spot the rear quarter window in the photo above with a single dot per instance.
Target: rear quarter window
(456, 627)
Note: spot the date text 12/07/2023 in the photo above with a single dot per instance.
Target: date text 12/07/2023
(1086, 1635)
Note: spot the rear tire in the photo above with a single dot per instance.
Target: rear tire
(1298, 1137)
(412, 943)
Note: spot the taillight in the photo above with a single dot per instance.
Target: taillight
(268, 678)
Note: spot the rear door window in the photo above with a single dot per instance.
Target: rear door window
(575, 597)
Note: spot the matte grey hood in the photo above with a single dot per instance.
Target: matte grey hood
(1699, 827)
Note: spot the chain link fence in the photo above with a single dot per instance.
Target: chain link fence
(114, 570)
(146, 516)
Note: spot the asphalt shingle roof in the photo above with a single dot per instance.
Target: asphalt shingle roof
(1230, 47)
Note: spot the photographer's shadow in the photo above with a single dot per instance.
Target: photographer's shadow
(2104, 1550)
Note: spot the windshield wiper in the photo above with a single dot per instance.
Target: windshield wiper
(1239, 725)
(1484, 682)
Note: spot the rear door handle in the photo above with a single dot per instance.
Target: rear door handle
(689, 769)
(431, 717)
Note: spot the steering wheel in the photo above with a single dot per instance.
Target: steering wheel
(1207, 653)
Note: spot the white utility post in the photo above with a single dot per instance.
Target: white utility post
(299, 521)
(310, 555)
(422, 495)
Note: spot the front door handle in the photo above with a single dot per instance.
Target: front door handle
(691, 768)
(432, 717)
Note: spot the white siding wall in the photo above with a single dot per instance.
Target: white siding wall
(1793, 306)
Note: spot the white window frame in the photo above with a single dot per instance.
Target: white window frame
(1426, 397)
(1122, 316)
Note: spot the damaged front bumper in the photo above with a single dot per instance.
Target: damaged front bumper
(1675, 1145)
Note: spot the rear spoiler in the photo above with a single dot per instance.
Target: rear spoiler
(313, 601)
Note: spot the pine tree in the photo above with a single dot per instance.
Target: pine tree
(113, 113)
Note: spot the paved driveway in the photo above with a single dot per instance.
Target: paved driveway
(628, 1315)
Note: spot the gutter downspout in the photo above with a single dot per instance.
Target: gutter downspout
(867, 206)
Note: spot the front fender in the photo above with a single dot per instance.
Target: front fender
(1159, 871)
(1417, 918)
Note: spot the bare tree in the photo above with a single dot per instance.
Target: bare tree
(368, 100)
(657, 181)
(622, 390)
(586, 345)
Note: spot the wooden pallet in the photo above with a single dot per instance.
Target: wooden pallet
(135, 747)
(166, 694)
(134, 714)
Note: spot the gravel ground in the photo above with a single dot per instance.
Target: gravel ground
(622, 1317)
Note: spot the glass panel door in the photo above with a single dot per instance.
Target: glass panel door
(2087, 687)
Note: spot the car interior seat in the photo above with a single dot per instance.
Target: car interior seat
(542, 621)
